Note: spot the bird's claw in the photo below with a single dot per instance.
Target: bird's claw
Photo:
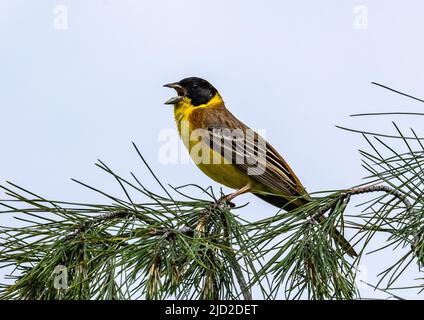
(223, 201)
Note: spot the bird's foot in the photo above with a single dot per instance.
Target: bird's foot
(224, 201)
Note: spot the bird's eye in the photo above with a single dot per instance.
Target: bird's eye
(195, 87)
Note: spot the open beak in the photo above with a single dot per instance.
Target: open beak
(180, 91)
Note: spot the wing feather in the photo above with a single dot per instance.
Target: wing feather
(256, 157)
(247, 150)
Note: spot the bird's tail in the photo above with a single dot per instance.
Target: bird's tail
(281, 202)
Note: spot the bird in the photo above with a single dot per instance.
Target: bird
(232, 154)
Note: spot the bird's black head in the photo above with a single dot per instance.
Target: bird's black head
(198, 90)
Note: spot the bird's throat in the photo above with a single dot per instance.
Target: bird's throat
(184, 108)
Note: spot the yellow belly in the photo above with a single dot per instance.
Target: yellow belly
(226, 174)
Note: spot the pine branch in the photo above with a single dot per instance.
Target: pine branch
(190, 249)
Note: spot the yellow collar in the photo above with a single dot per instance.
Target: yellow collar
(186, 103)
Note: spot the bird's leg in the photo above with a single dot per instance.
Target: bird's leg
(231, 196)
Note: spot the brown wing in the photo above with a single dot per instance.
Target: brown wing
(249, 152)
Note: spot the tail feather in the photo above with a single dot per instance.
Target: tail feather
(288, 205)
(281, 202)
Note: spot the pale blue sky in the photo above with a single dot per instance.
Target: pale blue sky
(294, 68)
